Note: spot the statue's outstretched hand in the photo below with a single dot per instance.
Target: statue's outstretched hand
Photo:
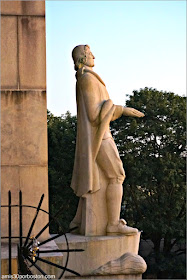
(131, 112)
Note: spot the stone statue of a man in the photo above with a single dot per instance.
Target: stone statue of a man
(95, 147)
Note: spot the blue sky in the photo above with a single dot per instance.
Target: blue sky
(135, 44)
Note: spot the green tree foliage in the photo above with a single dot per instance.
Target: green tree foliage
(153, 153)
(61, 149)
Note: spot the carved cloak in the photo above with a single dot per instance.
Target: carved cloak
(94, 112)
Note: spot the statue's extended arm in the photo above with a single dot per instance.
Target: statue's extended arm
(117, 113)
(97, 110)
(126, 111)
(131, 112)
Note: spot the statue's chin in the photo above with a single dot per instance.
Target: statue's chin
(90, 64)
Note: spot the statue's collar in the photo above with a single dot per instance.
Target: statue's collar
(84, 70)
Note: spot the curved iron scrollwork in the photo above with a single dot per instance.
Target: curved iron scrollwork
(29, 251)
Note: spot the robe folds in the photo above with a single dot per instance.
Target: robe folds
(95, 110)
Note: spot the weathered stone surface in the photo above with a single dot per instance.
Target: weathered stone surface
(98, 250)
(9, 181)
(24, 156)
(33, 182)
(23, 8)
(23, 51)
(9, 64)
(49, 269)
(23, 112)
(5, 266)
(56, 258)
(23, 128)
(32, 52)
(127, 264)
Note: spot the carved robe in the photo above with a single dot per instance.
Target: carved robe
(94, 112)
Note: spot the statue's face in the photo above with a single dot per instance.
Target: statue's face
(89, 58)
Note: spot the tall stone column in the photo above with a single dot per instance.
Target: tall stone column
(24, 160)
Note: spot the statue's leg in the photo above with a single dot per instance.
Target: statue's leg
(114, 196)
(109, 161)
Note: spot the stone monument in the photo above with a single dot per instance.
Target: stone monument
(24, 157)
(111, 247)
(98, 171)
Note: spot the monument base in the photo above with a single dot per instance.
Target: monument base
(112, 277)
(48, 269)
(98, 251)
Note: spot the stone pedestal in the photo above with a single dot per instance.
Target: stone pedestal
(98, 251)
(24, 158)
(107, 277)
(94, 217)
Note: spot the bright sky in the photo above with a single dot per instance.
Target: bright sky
(136, 44)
